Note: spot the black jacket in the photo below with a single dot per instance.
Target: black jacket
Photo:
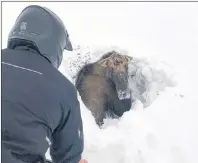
(38, 103)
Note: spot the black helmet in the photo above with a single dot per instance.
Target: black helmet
(45, 30)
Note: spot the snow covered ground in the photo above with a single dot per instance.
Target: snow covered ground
(162, 126)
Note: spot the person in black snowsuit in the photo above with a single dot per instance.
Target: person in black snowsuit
(99, 84)
(39, 108)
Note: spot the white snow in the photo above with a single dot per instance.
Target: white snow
(162, 126)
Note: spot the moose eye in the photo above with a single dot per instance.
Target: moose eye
(117, 61)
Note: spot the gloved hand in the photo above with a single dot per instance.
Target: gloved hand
(83, 161)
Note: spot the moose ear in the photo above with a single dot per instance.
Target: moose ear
(128, 58)
(103, 63)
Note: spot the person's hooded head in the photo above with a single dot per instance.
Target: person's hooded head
(43, 30)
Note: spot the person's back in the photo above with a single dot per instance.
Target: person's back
(40, 108)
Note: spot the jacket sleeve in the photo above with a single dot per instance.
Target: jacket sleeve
(67, 140)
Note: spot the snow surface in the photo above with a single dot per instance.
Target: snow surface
(162, 126)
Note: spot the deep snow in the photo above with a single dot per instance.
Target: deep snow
(162, 126)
